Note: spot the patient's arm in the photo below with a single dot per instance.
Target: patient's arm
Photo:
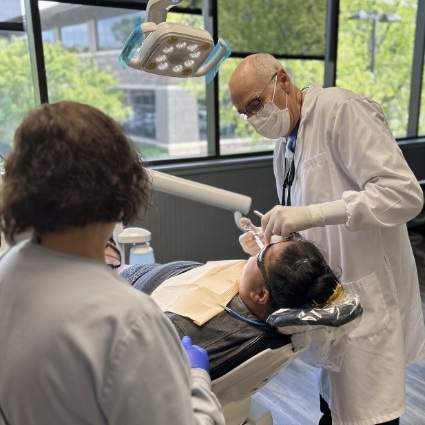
(147, 277)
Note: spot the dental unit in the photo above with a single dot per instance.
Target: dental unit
(171, 49)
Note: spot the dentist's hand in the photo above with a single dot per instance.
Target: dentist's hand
(198, 357)
(283, 221)
(248, 243)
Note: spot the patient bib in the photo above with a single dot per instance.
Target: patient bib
(199, 293)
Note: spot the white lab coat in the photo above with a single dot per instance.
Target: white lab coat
(345, 151)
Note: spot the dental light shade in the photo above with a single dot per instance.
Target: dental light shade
(202, 193)
(172, 49)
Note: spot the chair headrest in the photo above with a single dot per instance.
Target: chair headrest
(320, 333)
(293, 320)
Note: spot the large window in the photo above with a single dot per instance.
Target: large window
(375, 53)
(16, 88)
(177, 120)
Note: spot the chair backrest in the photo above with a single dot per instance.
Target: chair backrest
(247, 378)
(326, 330)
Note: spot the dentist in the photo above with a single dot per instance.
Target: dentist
(342, 182)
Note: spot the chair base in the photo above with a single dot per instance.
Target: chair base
(247, 412)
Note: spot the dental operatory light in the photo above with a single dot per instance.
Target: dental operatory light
(172, 49)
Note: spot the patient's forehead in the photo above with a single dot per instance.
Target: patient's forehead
(276, 251)
(278, 248)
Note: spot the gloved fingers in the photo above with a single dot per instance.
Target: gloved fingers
(247, 239)
(187, 342)
(277, 222)
(284, 221)
(198, 356)
(248, 243)
(201, 351)
(267, 226)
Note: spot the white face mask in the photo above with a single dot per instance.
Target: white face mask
(272, 122)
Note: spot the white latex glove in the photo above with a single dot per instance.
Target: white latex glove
(247, 240)
(248, 243)
(286, 220)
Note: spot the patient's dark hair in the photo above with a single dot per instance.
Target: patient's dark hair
(299, 276)
(71, 165)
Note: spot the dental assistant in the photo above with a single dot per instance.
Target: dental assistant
(343, 182)
(77, 344)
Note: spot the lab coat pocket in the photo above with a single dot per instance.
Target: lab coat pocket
(312, 171)
(375, 313)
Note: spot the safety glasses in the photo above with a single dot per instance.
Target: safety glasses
(262, 253)
(255, 106)
(260, 262)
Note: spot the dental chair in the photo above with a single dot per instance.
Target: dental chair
(317, 336)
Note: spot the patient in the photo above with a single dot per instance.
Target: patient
(290, 274)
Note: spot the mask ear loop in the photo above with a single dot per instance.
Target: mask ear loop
(274, 90)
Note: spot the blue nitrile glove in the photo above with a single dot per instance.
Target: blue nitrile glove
(198, 357)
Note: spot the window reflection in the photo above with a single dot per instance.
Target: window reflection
(11, 11)
(75, 36)
(112, 32)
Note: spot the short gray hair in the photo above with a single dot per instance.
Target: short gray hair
(263, 64)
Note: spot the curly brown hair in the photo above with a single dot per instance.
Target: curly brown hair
(71, 165)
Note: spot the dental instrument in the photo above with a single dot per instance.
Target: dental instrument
(249, 227)
(291, 236)
(171, 49)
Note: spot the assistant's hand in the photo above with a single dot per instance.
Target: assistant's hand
(248, 243)
(198, 357)
(283, 221)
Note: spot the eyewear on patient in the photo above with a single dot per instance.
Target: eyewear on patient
(261, 255)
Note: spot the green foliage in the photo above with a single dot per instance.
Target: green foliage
(389, 82)
(274, 26)
(78, 77)
(16, 93)
(288, 27)
(70, 76)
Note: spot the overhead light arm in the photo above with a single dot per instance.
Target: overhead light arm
(202, 193)
(156, 10)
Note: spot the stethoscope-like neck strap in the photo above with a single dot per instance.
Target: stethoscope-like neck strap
(290, 172)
